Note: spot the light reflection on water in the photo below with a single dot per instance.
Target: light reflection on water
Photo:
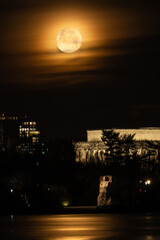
(80, 227)
(74, 238)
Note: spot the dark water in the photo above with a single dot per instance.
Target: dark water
(80, 227)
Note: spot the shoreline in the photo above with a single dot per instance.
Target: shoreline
(84, 210)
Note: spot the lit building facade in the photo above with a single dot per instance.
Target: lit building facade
(93, 150)
(29, 136)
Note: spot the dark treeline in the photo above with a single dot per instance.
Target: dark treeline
(135, 167)
(50, 181)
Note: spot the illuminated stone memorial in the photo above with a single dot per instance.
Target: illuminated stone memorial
(93, 150)
(104, 197)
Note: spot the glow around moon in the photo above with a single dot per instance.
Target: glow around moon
(69, 40)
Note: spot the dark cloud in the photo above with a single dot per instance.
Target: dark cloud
(132, 64)
(101, 3)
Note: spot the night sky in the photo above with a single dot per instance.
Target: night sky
(112, 81)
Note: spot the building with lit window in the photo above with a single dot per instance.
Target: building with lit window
(30, 140)
(9, 134)
(20, 134)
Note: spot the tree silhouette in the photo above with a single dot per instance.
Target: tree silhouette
(119, 149)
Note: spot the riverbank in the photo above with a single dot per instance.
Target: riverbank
(84, 210)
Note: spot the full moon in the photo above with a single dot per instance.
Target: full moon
(69, 40)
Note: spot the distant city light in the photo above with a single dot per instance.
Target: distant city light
(65, 203)
(148, 182)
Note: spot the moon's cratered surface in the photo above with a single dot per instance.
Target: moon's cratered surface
(69, 40)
